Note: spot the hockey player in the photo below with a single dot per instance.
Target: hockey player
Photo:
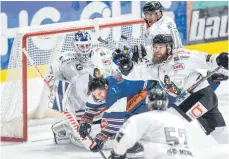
(177, 70)
(73, 69)
(105, 92)
(162, 133)
(157, 23)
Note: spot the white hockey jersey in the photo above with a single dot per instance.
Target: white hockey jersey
(181, 70)
(102, 59)
(70, 69)
(165, 25)
(163, 136)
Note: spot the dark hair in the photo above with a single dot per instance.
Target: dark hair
(97, 83)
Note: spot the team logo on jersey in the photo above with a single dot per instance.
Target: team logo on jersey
(170, 86)
(196, 111)
(79, 67)
(104, 123)
(115, 90)
(179, 66)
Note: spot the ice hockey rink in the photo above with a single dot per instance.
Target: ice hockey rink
(40, 144)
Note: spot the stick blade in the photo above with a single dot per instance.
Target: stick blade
(102, 40)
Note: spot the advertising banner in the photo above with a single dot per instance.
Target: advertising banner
(207, 26)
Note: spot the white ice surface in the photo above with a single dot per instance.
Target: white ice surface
(41, 146)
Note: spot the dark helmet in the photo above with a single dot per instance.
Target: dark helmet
(158, 99)
(164, 39)
(152, 6)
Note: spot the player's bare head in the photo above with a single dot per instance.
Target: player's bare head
(98, 87)
(152, 12)
(162, 47)
(158, 99)
(82, 45)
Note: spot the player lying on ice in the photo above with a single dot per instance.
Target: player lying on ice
(156, 134)
(177, 70)
(69, 77)
(105, 92)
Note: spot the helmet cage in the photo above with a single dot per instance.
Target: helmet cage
(82, 45)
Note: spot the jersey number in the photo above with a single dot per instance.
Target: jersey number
(173, 136)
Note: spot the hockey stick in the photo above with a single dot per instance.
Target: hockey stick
(204, 78)
(97, 30)
(100, 39)
(68, 115)
(100, 151)
(41, 75)
(35, 66)
(186, 94)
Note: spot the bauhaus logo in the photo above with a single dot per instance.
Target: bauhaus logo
(208, 25)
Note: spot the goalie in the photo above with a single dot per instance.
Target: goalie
(69, 76)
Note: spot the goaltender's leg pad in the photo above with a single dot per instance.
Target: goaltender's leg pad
(61, 132)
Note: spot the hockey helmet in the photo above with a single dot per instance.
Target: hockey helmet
(164, 39)
(151, 7)
(158, 99)
(83, 45)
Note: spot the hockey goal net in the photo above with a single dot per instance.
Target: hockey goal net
(24, 88)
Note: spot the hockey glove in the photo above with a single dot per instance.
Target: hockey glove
(100, 139)
(126, 65)
(118, 57)
(218, 77)
(84, 129)
(138, 52)
(115, 156)
(85, 125)
(222, 60)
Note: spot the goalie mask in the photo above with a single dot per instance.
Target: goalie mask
(83, 45)
(162, 47)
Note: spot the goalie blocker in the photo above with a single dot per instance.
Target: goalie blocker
(203, 106)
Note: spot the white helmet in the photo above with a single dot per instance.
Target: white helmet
(83, 45)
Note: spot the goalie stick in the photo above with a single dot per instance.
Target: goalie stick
(74, 124)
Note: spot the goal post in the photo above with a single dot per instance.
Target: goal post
(24, 94)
